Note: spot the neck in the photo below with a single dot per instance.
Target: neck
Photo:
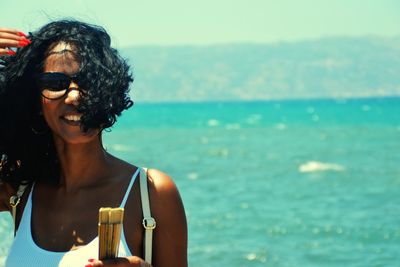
(82, 165)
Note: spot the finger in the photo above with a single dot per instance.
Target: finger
(132, 261)
(139, 262)
(6, 52)
(94, 263)
(13, 43)
(115, 262)
(13, 31)
(11, 36)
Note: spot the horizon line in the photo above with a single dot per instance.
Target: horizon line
(276, 42)
(294, 99)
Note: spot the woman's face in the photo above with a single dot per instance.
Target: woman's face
(61, 115)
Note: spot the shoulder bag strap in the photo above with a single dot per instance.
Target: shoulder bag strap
(149, 223)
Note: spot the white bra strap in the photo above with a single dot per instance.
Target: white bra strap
(14, 201)
(128, 190)
(149, 223)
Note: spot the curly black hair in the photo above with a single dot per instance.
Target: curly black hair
(105, 76)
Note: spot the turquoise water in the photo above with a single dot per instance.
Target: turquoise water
(279, 183)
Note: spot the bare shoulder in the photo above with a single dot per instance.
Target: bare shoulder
(161, 182)
(163, 191)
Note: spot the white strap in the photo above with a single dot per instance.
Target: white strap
(128, 190)
(149, 223)
(14, 201)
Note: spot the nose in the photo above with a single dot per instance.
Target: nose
(73, 94)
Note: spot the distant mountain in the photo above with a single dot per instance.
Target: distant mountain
(326, 68)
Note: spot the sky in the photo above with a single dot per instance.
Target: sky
(205, 22)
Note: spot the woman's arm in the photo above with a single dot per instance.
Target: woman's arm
(9, 38)
(170, 235)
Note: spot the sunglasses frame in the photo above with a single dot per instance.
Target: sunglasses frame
(62, 83)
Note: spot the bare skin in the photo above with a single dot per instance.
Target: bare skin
(64, 217)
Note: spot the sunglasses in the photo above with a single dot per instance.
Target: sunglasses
(55, 85)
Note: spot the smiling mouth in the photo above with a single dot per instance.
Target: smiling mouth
(74, 120)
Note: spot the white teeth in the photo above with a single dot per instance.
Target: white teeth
(73, 117)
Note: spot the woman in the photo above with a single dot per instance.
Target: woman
(60, 87)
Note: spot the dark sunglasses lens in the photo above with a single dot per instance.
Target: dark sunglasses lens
(53, 81)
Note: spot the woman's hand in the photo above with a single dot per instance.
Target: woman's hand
(10, 38)
(131, 261)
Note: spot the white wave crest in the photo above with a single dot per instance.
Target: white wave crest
(316, 166)
(212, 122)
(121, 148)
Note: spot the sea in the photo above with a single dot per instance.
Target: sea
(280, 183)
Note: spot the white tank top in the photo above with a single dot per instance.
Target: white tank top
(24, 251)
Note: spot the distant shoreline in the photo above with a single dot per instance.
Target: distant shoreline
(227, 101)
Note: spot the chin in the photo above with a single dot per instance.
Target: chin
(78, 137)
